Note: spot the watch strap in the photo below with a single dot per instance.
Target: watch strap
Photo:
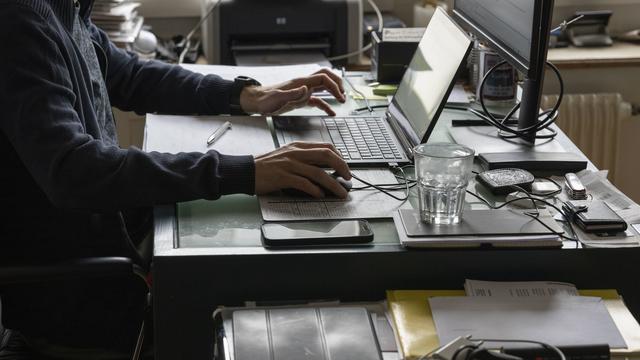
(239, 83)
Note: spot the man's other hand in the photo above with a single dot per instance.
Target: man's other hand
(293, 94)
(299, 166)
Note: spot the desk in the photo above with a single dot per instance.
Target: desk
(208, 254)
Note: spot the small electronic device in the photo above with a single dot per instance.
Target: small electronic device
(316, 233)
(594, 217)
(533, 161)
(590, 30)
(346, 184)
(392, 52)
(504, 181)
(574, 186)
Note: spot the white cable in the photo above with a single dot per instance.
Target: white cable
(187, 39)
(368, 46)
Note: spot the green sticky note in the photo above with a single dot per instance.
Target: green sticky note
(384, 90)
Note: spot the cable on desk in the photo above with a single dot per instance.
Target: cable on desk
(479, 348)
(543, 344)
(386, 188)
(359, 110)
(368, 46)
(546, 118)
(534, 215)
(355, 90)
(187, 39)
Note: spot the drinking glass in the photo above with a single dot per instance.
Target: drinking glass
(443, 171)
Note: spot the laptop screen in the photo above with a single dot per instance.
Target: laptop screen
(426, 84)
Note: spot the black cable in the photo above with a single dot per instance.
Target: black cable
(355, 90)
(359, 110)
(383, 187)
(533, 199)
(548, 116)
(543, 344)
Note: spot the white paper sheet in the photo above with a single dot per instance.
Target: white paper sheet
(360, 204)
(557, 320)
(174, 134)
(459, 96)
(519, 289)
(267, 75)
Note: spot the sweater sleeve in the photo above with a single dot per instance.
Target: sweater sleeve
(149, 86)
(75, 170)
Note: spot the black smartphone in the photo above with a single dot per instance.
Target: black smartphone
(316, 233)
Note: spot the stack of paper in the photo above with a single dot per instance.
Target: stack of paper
(119, 19)
(418, 315)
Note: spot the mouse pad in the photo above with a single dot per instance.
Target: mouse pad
(481, 222)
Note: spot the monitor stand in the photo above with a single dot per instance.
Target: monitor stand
(530, 109)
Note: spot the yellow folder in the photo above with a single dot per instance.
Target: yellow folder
(417, 335)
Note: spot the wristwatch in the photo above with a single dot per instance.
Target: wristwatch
(239, 83)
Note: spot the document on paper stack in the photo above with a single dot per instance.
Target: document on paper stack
(548, 312)
(519, 289)
(424, 320)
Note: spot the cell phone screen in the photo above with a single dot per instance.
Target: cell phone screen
(295, 233)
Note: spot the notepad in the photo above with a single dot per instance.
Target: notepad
(174, 134)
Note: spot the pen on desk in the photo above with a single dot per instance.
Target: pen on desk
(218, 133)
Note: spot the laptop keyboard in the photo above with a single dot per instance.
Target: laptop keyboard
(362, 139)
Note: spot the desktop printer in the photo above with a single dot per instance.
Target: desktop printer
(290, 29)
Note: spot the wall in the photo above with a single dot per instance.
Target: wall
(170, 8)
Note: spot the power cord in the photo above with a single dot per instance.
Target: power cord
(468, 348)
(543, 344)
(387, 188)
(546, 118)
(355, 90)
(187, 40)
(536, 213)
(368, 46)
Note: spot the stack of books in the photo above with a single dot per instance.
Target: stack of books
(119, 19)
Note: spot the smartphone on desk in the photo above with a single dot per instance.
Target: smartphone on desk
(316, 233)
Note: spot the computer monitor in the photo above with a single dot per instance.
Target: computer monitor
(518, 30)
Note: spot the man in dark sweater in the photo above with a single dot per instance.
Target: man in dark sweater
(68, 189)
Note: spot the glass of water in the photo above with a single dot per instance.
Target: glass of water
(443, 171)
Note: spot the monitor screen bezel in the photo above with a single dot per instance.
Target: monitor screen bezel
(533, 67)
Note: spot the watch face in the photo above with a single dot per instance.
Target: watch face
(247, 81)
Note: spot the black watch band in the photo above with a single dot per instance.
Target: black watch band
(239, 83)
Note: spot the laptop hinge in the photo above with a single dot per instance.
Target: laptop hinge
(406, 145)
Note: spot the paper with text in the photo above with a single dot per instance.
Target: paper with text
(519, 289)
(360, 204)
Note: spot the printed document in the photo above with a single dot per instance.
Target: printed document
(557, 320)
(360, 204)
(519, 289)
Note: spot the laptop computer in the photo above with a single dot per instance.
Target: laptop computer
(412, 114)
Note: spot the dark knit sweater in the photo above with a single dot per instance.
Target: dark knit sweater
(64, 181)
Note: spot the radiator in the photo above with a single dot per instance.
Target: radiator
(596, 124)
